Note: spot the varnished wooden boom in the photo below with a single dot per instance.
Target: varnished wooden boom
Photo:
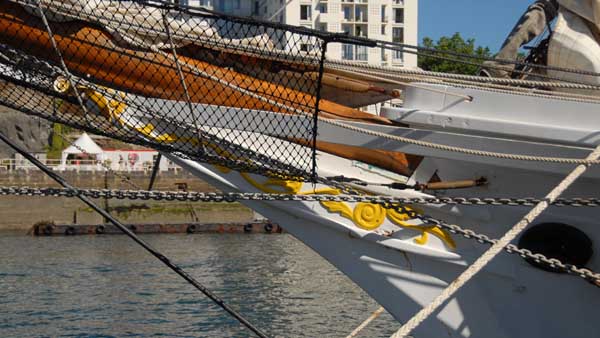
(91, 52)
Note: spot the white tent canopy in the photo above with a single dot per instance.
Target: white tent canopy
(85, 143)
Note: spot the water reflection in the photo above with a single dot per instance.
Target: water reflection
(107, 286)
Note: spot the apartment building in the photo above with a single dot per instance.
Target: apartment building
(387, 20)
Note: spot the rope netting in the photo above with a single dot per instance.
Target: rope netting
(196, 83)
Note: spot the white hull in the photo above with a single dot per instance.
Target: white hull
(508, 299)
(401, 264)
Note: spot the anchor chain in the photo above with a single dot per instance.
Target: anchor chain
(232, 197)
(388, 202)
(589, 275)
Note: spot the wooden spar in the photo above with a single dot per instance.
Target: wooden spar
(90, 52)
(396, 162)
(400, 163)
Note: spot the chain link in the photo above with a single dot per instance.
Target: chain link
(231, 197)
(590, 276)
(388, 202)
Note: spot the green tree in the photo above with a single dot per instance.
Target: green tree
(57, 143)
(455, 44)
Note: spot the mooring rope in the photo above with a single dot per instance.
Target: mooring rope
(495, 249)
(367, 321)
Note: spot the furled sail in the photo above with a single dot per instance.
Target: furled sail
(139, 74)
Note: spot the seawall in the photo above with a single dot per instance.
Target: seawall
(21, 212)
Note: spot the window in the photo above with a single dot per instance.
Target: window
(347, 29)
(256, 9)
(398, 34)
(228, 6)
(397, 55)
(362, 53)
(305, 12)
(347, 13)
(347, 52)
(305, 47)
(360, 14)
(399, 15)
(382, 29)
(323, 26)
(323, 8)
(201, 3)
(383, 13)
(398, 2)
(360, 31)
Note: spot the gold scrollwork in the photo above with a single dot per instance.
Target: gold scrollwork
(369, 216)
(110, 108)
(287, 186)
(401, 219)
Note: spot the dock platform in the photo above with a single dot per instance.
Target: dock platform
(51, 229)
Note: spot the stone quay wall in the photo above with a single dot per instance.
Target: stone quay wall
(22, 212)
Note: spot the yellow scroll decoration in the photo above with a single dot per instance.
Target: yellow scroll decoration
(108, 107)
(400, 219)
(368, 216)
(338, 207)
(287, 186)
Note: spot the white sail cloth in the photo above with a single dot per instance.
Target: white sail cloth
(587, 9)
(138, 25)
(574, 43)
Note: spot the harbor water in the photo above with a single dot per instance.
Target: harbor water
(106, 286)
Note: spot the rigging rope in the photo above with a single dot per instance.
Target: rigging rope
(467, 151)
(135, 238)
(343, 64)
(492, 252)
(401, 139)
(188, 97)
(113, 220)
(344, 125)
(485, 86)
(402, 48)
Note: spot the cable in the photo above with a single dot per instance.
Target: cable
(135, 238)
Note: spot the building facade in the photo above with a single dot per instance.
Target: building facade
(386, 20)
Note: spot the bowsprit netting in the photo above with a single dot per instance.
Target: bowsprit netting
(224, 90)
